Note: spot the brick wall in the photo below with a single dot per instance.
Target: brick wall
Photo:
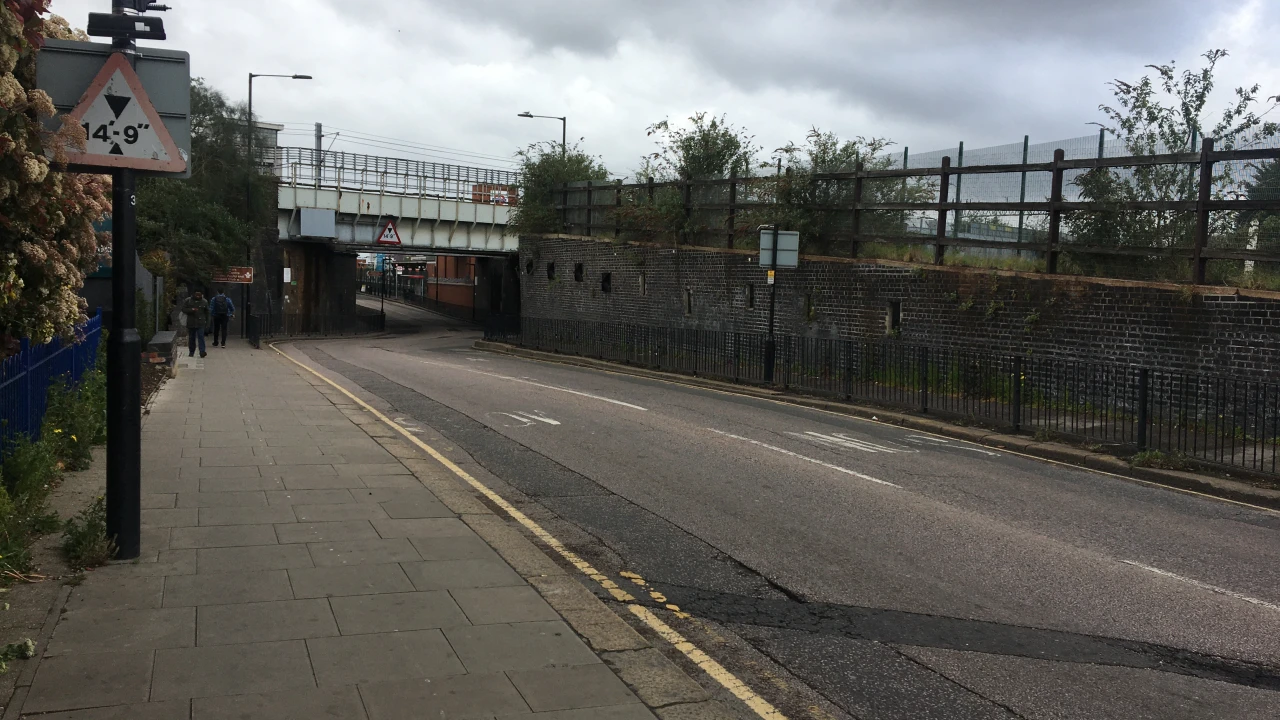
(1219, 331)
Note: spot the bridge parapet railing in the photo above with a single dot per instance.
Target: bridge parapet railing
(354, 172)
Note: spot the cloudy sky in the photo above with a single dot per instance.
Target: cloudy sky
(444, 79)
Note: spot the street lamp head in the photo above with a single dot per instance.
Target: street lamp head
(526, 113)
(301, 77)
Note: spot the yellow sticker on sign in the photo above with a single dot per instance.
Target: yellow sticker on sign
(771, 273)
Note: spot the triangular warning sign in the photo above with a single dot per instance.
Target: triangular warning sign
(389, 235)
(123, 127)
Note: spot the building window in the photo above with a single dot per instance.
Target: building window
(688, 301)
(606, 282)
(551, 271)
(644, 285)
(528, 268)
(751, 296)
(577, 272)
(893, 317)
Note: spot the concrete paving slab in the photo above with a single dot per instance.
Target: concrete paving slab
(169, 710)
(461, 574)
(618, 712)
(416, 509)
(222, 536)
(383, 656)
(170, 517)
(363, 552)
(454, 548)
(246, 515)
(231, 670)
(322, 482)
(265, 622)
(167, 562)
(396, 612)
(152, 501)
(155, 483)
(350, 580)
(461, 697)
(522, 646)
(571, 688)
(489, 606)
(310, 497)
(390, 481)
(275, 557)
(338, 703)
(325, 532)
(117, 593)
(227, 588)
(222, 499)
(206, 472)
(386, 468)
(352, 511)
(248, 484)
(122, 630)
(657, 680)
(422, 528)
(286, 472)
(90, 680)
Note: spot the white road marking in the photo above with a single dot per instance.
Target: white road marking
(524, 422)
(806, 458)
(537, 416)
(926, 438)
(537, 384)
(844, 441)
(1205, 586)
(939, 442)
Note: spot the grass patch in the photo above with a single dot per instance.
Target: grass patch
(1160, 460)
(85, 541)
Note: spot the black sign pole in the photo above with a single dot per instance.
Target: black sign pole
(124, 360)
(770, 347)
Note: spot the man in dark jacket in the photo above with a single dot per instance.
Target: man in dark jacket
(222, 310)
(197, 311)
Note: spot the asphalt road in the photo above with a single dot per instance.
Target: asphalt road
(853, 569)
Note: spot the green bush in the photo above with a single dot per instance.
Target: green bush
(1162, 461)
(85, 541)
(69, 427)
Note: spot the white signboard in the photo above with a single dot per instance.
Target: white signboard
(788, 248)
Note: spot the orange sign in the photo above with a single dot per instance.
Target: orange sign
(236, 275)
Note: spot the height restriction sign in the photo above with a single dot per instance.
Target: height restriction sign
(123, 128)
(389, 235)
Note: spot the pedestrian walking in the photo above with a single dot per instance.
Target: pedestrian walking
(222, 310)
(197, 311)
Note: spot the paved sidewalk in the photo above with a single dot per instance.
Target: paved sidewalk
(297, 565)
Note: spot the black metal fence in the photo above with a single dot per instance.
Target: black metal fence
(410, 296)
(1212, 419)
(361, 322)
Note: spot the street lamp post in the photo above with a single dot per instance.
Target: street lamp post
(245, 304)
(564, 129)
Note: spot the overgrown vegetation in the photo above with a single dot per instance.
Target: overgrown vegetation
(84, 541)
(544, 169)
(1165, 114)
(1160, 460)
(799, 187)
(74, 422)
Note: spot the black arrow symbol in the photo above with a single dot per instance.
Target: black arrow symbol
(118, 103)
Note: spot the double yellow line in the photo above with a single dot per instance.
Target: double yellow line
(759, 705)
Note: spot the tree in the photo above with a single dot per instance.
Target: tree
(1153, 116)
(202, 223)
(818, 207)
(48, 241)
(711, 149)
(544, 169)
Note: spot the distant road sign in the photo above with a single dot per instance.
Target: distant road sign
(389, 235)
(153, 98)
(235, 275)
(788, 248)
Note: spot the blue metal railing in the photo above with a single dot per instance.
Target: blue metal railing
(25, 378)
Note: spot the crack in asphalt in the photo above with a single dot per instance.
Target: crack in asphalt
(664, 550)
